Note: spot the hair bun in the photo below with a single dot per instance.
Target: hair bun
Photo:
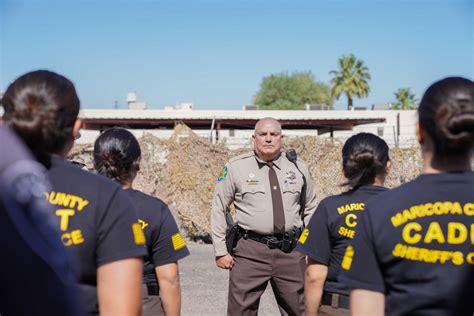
(117, 154)
(365, 158)
(460, 127)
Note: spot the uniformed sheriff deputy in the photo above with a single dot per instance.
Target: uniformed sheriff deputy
(265, 187)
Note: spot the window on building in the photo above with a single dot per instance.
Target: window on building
(380, 131)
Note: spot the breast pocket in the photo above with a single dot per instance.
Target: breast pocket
(252, 196)
(291, 189)
(291, 196)
(253, 189)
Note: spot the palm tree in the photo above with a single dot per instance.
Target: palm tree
(405, 99)
(351, 79)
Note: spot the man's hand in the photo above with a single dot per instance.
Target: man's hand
(225, 262)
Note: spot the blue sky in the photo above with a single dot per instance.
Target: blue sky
(215, 53)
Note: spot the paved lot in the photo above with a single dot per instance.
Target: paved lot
(204, 286)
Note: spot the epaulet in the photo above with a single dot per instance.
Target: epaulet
(242, 156)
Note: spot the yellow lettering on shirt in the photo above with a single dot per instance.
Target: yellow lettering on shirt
(470, 258)
(454, 233)
(427, 255)
(75, 237)
(64, 214)
(66, 200)
(431, 209)
(407, 234)
(469, 209)
(142, 223)
(457, 233)
(472, 234)
(434, 232)
(351, 220)
(68, 205)
(351, 207)
(346, 232)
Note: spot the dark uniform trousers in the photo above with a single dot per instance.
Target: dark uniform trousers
(255, 265)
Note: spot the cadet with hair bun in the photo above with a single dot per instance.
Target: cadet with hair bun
(365, 163)
(414, 251)
(117, 155)
(96, 219)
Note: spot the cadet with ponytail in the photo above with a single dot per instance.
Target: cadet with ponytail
(117, 155)
(365, 163)
(95, 217)
(414, 253)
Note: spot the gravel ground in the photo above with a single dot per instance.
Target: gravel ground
(204, 286)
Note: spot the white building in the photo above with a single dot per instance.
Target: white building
(396, 127)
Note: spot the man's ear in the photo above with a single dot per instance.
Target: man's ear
(77, 126)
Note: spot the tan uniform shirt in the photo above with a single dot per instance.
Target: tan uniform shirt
(244, 181)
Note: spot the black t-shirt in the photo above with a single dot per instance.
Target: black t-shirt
(35, 276)
(165, 244)
(331, 229)
(415, 244)
(98, 224)
(30, 265)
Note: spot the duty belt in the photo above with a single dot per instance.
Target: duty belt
(272, 241)
(335, 300)
(285, 242)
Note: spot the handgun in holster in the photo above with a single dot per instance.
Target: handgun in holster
(290, 239)
(232, 234)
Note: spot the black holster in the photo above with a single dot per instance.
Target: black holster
(290, 239)
(232, 236)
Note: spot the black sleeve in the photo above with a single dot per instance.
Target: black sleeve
(119, 234)
(315, 242)
(360, 267)
(168, 244)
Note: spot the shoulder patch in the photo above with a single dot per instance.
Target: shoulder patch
(304, 236)
(178, 241)
(223, 173)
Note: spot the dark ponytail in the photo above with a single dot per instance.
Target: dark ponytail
(364, 157)
(446, 113)
(117, 155)
(42, 107)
